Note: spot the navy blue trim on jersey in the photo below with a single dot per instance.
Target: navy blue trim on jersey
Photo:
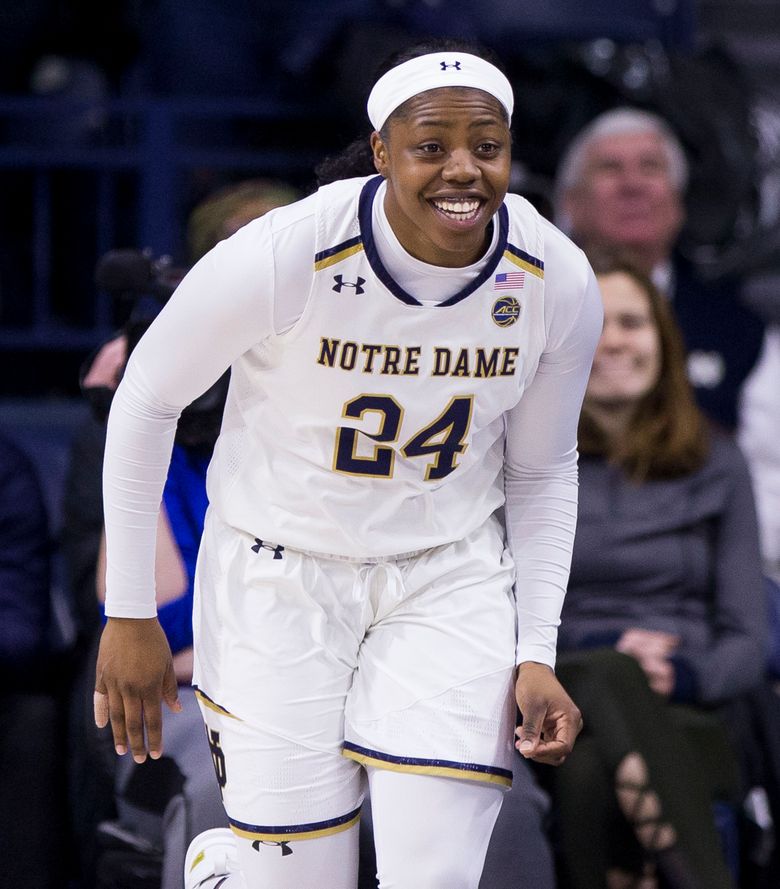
(331, 251)
(330, 825)
(526, 257)
(364, 215)
(427, 766)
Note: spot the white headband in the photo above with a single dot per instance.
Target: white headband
(434, 71)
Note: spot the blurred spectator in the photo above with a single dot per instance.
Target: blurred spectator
(621, 185)
(32, 790)
(223, 212)
(664, 622)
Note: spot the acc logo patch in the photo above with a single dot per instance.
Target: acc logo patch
(506, 310)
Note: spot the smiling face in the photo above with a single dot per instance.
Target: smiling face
(446, 160)
(626, 197)
(627, 363)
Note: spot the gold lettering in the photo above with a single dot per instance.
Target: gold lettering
(370, 351)
(348, 355)
(328, 350)
(461, 368)
(412, 357)
(442, 361)
(508, 364)
(392, 357)
(486, 366)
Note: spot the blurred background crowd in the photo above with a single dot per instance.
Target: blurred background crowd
(135, 135)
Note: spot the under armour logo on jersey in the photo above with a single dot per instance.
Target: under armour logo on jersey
(284, 844)
(340, 282)
(277, 550)
(455, 65)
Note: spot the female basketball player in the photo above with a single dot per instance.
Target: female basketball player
(409, 353)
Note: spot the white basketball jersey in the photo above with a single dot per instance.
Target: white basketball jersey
(375, 425)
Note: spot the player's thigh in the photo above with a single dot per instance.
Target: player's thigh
(429, 831)
(277, 634)
(437, 668)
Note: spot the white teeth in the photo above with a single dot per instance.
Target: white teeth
(460, 209)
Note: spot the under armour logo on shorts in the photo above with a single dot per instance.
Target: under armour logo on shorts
(276, 549)
(285, 846)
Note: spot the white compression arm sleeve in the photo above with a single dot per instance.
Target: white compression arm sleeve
(540, 471)
(223, 306)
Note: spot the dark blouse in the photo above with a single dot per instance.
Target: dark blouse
(680, 556)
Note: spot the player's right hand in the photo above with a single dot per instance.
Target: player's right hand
(134, 675)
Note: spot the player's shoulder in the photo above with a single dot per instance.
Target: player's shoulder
(558, 249)
(290, 215)
(300, 216)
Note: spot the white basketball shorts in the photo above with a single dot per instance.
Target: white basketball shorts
(308, 667)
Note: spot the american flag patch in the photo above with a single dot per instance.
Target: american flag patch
(509, 280)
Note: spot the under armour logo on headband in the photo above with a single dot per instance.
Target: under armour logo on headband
(432, 71)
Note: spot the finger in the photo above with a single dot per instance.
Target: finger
(558, 738)
(171, 691)
(116, 712)
(152, 716)
(551, 753)
(134, 722)
(529, 736)
(100, 707)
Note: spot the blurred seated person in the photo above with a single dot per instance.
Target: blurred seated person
(621, 186)
(664, 621)
(227, 209)
(32, 790)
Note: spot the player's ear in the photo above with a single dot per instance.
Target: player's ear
(379, 150)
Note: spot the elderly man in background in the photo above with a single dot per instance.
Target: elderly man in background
(621, 186)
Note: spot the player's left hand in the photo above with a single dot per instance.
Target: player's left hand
(551, 720)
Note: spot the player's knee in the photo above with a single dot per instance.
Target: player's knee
(429, 868)
(430, 871)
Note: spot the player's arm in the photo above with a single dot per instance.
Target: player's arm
(221, 308)
(540, 478)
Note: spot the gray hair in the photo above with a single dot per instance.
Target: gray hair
(612, 123)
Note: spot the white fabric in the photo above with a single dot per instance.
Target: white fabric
(228, 310)
(304, 409)
(411, 659)
(327, 863)
(438, 842)
(431, 833)
(435, 71)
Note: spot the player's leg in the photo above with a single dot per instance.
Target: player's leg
(218, 859)
(430, 831)
(277, 637)
(431, 712)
